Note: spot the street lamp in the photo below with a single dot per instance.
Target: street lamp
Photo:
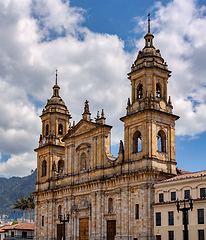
(185, 212)
(64, 223)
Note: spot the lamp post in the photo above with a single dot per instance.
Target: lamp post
(185, 210)
(64, 223)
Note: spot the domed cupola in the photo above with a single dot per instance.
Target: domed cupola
(55, 119)
(149, 56)
(56, 101)
(149, 78)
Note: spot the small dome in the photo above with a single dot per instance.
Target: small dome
(55, 100)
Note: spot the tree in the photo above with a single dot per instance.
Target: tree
(30, 205)
(21, 204)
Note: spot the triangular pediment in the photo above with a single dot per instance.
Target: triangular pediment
(81, 127)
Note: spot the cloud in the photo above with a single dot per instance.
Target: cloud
(18, 165)
(42, 36)
(179, 33)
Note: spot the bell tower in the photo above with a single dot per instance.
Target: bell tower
(149, 124)
(51, 151)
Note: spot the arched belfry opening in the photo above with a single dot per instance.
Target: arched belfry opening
(60, 166)
(60, 129)
(161, 141)
(47, 129)
(44, 168)
(137, 142)
(139, 91)
(158, 90)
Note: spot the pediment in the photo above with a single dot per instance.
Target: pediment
(83, 127)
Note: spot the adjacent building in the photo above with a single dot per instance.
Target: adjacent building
(168, 222)
(20, 231)
(107, 197)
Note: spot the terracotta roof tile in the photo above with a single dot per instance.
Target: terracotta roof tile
(185, 175)
(21, 226)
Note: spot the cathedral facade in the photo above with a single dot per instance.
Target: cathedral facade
(107, 197)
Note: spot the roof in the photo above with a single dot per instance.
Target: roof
(5, 227)
(18, 226)
(185, 175)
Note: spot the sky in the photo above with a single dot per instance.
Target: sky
(93, 45)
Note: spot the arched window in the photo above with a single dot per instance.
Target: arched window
(60, 166)
(161, 141)
(44, 168)
(137, 142)
(110, 205)
(140, 91)
(59, 210)
(47, 129)
(83, 163)
(158, 91)
(60, 129)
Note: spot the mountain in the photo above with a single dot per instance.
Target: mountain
(13, 188)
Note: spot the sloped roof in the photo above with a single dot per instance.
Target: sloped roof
(19, 226)
(185, 175)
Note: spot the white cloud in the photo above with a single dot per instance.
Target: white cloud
(40, 36)
(18, 165)
(91, 66)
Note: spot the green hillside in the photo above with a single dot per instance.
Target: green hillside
(13, 188)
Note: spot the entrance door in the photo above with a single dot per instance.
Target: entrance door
(60, 231)
(84, 229)
(111, 229)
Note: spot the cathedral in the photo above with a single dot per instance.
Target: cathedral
(107, 197)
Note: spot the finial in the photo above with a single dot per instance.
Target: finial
(148, 22)
(98, 116)
(102, 115)
(56, 76)
(128, 102)
(169, 101)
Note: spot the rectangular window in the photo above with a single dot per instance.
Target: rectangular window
(136, 211)
(202, 192)
(161, 197)
(158, 237)
(187, 218)
(42, 221)
(200, 213)
(158, 219)
(187, 194)
(201, 235)
(12, 234)
(173, 196)
(170, 218)
(171, 235)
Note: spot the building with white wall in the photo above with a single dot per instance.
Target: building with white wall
(168, 223)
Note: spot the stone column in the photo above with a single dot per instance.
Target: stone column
(93, 216)
(99, 215)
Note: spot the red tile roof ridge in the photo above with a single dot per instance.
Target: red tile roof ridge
(5, 227)
(185, 176)
(21, 226)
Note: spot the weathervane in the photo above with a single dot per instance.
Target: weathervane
(148, 22)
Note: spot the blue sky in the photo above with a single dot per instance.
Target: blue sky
(93, 45)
